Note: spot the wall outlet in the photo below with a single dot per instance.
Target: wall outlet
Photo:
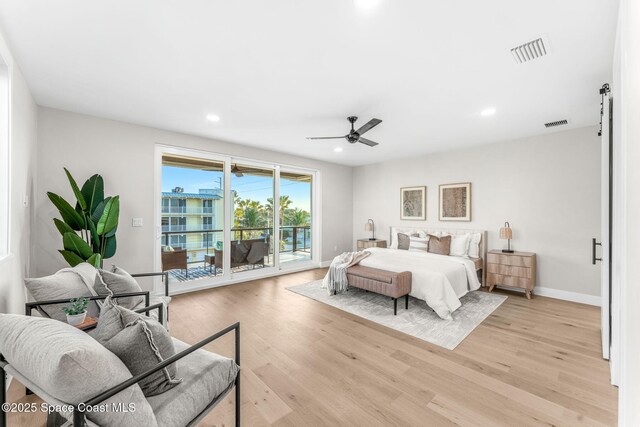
(335, 248)
(136, 222)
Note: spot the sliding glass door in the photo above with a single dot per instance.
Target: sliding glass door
(192, 217)
(295, 217)
(222, 219)
(252, 235)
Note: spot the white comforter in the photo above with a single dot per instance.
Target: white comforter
(439, 280)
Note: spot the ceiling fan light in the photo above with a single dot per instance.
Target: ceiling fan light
(338, 149)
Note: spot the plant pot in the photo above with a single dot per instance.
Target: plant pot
(76, 319)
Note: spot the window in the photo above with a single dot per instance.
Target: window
(5, 152)
(178, 240)
(207, 206)
(207, 223)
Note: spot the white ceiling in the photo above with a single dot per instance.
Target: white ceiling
(277, 71)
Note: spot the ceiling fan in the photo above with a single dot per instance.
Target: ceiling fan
(355, 135)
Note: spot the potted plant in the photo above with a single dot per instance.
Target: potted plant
(89, 229)
(77, 311)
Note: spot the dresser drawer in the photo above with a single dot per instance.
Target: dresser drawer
(516, 260)
(510, 270)
(516, 282)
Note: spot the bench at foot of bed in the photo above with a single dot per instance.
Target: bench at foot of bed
(389, 283)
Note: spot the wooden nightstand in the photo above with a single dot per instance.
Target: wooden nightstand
(366, 243)
(517, 270)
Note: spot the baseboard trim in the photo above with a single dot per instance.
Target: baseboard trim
(324, 264)
(563, 295)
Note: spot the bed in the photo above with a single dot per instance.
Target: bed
(439, 280)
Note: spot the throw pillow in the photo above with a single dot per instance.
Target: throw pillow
(459, 245)
(403, 241)
(474, 245)
(418, 244)
(118, 281)
(141, 343)
(439, 245)
(65, 284)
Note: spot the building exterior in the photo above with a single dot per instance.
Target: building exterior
(190, 220)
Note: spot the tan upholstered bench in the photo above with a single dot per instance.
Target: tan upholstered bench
(388, 283)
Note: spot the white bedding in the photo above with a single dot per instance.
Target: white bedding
(439, 280)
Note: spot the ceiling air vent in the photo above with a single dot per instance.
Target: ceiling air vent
(554, 124)
(529, 51)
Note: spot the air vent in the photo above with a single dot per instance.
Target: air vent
(529, 51)
(554, 124)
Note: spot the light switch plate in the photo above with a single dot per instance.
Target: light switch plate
(136, 222)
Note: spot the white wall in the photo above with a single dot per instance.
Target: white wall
(547, 187)
(626, 92)
(16, 265)
(124, 155)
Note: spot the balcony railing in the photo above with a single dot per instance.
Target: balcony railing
(292, 238)
(183, 210)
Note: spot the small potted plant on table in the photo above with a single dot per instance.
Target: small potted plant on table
(77, 311)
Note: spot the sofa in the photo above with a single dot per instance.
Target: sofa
(245, 252)
(49, 294)
(52, 359)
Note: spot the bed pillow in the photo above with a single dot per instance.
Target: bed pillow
(439, 245)
(474, 245)
(418, 244)
(403, 241)
(459, 245)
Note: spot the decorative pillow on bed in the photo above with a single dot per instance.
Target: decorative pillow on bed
(417, 243)
(474, 245)
(403, 241)
(439, 245)
(459, 245)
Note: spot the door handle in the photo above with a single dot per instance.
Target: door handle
(594, 243)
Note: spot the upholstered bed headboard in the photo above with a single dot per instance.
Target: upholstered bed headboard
(453, 231)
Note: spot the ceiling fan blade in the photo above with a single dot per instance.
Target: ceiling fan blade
(367, 126)
(325, 137)
(368, 142)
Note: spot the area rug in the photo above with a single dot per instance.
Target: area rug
(419, 320)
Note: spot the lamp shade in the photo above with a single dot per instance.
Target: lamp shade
(506, 232)
(368, 226)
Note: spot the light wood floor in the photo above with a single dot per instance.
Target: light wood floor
(308, 364)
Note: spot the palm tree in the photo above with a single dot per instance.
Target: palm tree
(285, 203)
(298, 217)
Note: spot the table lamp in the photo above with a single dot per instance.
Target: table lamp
(370, 226)
(507, 233)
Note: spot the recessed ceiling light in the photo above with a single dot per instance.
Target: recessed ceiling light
(213, 118)
(366, 4)
(488, 112)
(338, 149)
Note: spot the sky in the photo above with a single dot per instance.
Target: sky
(248, 187)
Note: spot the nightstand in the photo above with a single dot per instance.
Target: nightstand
(517, 270)
(366, 243)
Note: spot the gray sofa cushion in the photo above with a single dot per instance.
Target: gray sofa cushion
(205, 376)
(118, 281)
(70, 366)
(141, 343)
(65, 284)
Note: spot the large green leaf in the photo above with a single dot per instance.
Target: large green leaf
(97, 212)
(95, 260)
(109, 219)
(69, 215)
(95, 239)
(74, 243)
(62, 226)
(93, 192)
(76, 190)
(109, 247)
(112, 232)
(71, 258)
